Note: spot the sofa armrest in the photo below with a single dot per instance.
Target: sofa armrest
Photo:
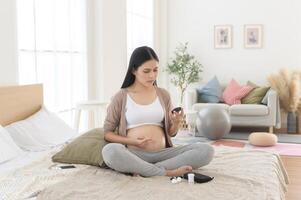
(274, 107)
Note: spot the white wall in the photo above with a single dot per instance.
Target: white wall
(177, 21)
(106, 47)
(8, 43)
(194, 20)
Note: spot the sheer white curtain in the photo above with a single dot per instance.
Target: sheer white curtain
(140, 24)
(52, 50)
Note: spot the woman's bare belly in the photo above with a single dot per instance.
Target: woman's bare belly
(153, 132)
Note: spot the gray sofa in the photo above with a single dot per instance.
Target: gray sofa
(254, 115)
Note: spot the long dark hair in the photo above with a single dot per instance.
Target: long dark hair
(139, 56)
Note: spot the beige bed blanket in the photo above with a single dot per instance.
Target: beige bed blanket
(30, 180)
(239, 174)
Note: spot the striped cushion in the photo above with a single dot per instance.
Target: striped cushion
(234, 92)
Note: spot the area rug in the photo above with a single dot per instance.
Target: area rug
(280, 148)
(288, 149)
(282, 137)
(235, 135)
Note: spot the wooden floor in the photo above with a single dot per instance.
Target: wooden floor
(293, 168)
(292, 165)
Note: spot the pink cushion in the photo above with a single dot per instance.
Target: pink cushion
(234, 92)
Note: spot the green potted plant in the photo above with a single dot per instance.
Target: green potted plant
(184, 69)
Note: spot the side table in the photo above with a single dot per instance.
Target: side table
(96, 110)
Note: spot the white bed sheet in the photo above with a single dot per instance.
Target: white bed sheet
(28, 157)
(28, 174)
(25, 158)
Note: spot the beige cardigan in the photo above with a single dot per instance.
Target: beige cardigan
(115, 119)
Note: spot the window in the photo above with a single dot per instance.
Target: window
(52, 50)
(140, 24)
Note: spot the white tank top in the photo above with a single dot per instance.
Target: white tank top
(138, 115)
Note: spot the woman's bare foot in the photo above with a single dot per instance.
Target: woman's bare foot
(179, 171)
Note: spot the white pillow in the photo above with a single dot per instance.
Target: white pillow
(8, 149)
(40, 131)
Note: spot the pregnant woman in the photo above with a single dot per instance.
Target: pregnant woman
(139, 124)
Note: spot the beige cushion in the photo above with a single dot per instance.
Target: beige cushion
(263, 139)
(85, 149)
(255, 96)
(249, 109)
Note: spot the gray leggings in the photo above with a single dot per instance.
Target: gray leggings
(145, 163)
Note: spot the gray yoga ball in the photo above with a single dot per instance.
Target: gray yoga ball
(213, 123)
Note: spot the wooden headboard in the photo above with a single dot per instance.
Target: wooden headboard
(19, 102)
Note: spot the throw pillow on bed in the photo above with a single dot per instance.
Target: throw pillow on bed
(234, 92)
(41, 131)
(85, 149)
(210, 93)
(256, 95)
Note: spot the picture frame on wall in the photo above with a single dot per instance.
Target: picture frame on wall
(253, 36)
(222, 36)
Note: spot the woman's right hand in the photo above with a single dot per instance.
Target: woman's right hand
(141, 142)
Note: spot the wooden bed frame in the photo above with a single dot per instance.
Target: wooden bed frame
(19, 102)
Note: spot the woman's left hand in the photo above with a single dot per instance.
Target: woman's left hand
(176, 117)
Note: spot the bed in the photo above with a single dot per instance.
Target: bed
(239, 173)
(27, 174)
